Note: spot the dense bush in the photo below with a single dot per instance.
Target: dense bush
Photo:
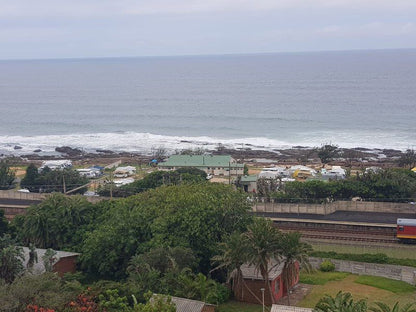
(327, 266)
(154, 180)
(49, 181)
(392, 185)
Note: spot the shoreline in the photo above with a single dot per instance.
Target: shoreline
(351, 157)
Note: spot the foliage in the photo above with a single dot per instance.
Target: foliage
(385, 283)
(110, 300)
(407, 159)
(263, 248)
(391, 185)
(4, 224)
(85, 302)
(267, 186)
(49, 181)
(294, 252)
(342, 302)
(194, 216)
(156, 303)
(7, 176)
(11, 259)
(321, 278)
(49, 259)
(327, 266)
(231, 256)
(157, 179)
(327, 152)
(58, 222)
(46, 290)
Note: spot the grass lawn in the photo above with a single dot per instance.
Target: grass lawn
(235, 306)
(399, 251)
(398, 287)
(321, 278)
(354, 285)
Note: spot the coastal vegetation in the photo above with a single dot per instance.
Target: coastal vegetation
(48, 181)
(7, 176)
(154, 180)
(390, 185)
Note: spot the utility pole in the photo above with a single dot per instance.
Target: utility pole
(111, 184)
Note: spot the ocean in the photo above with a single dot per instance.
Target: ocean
(265, 101)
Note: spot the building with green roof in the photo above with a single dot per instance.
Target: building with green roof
(221, 165)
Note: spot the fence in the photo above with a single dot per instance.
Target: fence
(323, 209)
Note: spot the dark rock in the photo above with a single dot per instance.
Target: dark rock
(37, 150)
(68, 151)
(17, 147)
(104, 151)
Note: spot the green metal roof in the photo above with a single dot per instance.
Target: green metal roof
(200, 161)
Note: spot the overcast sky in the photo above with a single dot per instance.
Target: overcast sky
(103, 28)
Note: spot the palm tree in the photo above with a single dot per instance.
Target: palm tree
(342, 302)
(264, 248)
(293, 251)
(232, 255)
(382, 307)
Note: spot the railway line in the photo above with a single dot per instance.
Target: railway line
(341, 231)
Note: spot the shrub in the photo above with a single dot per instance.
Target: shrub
(327, 266)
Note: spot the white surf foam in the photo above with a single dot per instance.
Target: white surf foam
(146, 142)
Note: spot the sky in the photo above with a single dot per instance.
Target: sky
(102, 28)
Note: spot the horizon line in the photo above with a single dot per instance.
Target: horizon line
(202, 55)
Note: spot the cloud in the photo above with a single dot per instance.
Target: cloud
(102, 8)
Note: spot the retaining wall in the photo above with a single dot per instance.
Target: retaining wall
(396, 272)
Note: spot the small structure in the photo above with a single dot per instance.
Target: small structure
(56, 164)
(188, 305)
(121, 182)
(221, 165)
(302, 172)
(64, 262)
(284, 308)
(274, 172)
(124, 172)
(91, 172)
(255, 282)
(335, 173)
(249, 183)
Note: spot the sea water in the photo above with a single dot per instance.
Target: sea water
(265, 101)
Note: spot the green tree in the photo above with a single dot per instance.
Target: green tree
(194, 216)
(327, 152)
(232, 254)
(294, 252)
(30, 180)
(263, 241)
(342, 302)
(7, 176)
(11, 259)
(58, 222)
(407, 159)
(4, 224)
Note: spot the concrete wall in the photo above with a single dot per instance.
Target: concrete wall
(266, 206)
(12, 194)
(396, 272)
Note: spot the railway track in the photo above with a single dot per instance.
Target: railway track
(346, 233)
